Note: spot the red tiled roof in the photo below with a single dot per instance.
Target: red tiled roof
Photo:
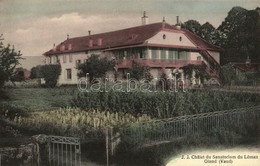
(125, 37)
(199, 42)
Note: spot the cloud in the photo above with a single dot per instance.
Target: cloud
(33, 26)
(34, 38)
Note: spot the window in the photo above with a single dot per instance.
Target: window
(68, 74)
(78, 62)
(183, 55)
(140, 54)
(199, 58)
(164, 36)
(154, 54)
(171, 54)
(163, 54)
(64, 59)
(180, 38)
(144, 52)
(54, 60)
(70, 58)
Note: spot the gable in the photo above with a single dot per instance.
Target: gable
(171, 38)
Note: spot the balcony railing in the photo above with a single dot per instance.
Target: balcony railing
(127, 63)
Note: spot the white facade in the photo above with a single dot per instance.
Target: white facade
(69, 63)
(171, 38)
(151, 50)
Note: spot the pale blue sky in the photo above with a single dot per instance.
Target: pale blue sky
(34, 25)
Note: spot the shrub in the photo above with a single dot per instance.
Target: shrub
(51, 74)
(96, 67)
(36, 72)
(139, 72)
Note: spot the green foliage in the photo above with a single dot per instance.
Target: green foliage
(240, 35)
(164, 104)
(37, 99)
(139, 72)
(74, 121)
(9, 59)
(205, 31)
(199, 72)
(210, 33)
(18, 75)
(193, 26)
(36, 72)
(96, 67)
(51, 74)
(228, 74)
(248, 79)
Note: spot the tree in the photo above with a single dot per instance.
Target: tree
(209, 33)
(51, 74)
(139, 72)
(193, 26)
(228, 74)
(9, 59)
(18, 75)
(240, 35)
(36, 72)
(95, 66)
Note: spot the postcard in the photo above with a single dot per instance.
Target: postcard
(129, 82)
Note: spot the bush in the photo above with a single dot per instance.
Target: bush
(139, 72)
(36, 72)
(51, 74)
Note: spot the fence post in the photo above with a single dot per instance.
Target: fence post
(107, 145)
(49, 146)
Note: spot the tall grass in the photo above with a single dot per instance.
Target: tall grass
(73, 122)
(165, 104)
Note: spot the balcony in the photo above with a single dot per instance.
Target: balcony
(157, 63)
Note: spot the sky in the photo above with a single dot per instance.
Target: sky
(33, 26)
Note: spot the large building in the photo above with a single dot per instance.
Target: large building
(160, 46)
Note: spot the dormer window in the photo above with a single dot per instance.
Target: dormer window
(132, 36)
(62, 47)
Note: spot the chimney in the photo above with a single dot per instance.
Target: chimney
(163, 23)
(144, 19)
(90, 41)
(68, 36)
(54, 47)
(177, 20)
(178, 24)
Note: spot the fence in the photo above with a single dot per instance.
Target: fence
(167, 129)
(64, 151)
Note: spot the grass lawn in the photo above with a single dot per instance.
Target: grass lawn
(38, 99)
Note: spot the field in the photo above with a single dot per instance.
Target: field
(24, 107)
(37, 99)
(65, 111)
